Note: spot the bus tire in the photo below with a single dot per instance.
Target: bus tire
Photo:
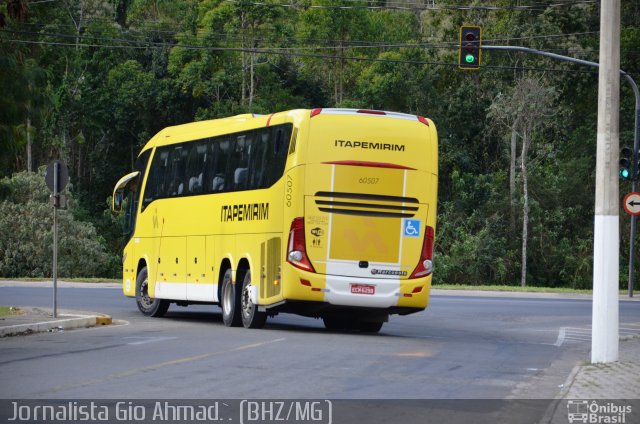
(230, 301)
(146, 304)
(251, 316)
(337, 322)
(370, 327)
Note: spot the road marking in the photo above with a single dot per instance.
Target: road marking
(412, 354)
(144, 340)
(154, 367)
(561, 335)
(583, 334)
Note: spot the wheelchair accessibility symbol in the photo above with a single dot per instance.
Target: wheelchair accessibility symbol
(412, 228)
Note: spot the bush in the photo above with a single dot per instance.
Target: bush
(26, 235)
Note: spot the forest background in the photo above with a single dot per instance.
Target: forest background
(90, 81)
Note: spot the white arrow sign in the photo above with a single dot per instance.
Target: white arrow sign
(631, 203)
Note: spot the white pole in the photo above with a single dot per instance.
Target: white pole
(606, 245)
(56, 170)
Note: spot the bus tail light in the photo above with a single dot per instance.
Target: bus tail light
(297, 250)
(371, 112)
(425, 265)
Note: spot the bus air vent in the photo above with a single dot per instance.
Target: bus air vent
(366, 204)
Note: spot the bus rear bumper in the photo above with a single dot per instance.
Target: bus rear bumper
(321, 309)
(362, 292)
(358, 292)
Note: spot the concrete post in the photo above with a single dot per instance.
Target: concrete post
(606, 245)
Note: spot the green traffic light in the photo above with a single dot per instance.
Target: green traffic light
(469, 58)
(624, 173)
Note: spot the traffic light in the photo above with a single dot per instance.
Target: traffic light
(470, 46)
(626, 164)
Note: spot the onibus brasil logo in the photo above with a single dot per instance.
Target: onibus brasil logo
(583, 411)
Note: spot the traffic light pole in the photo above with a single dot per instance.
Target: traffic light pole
(636, 140)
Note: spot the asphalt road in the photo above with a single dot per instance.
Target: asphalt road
(461, 347)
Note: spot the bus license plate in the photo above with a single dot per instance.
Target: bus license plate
(363, 289)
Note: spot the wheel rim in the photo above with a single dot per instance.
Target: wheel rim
(145, 301)
(247, 305)
(227, 298)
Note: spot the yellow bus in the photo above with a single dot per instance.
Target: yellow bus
(327, 213)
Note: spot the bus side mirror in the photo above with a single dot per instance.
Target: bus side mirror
(118, 191)
(116, 205)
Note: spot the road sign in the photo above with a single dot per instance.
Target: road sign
(59, 168)
(631, 203)
(56, 176)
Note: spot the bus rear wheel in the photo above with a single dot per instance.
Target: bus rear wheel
(337, 322)
(351, 322)
(370, 327)
(251, 316)
(146, 304)
(230, 301)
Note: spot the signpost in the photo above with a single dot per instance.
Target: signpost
(56, 176)
(631, 203)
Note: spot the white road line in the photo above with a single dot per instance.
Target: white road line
(561, 336)
(583, 334)
(145, 340)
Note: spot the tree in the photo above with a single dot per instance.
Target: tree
(523, 112)
(339, 24)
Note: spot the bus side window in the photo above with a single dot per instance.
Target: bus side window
(257, 160)
(195, 168)
(217, 164)
(175, 177)
(279, 142)
(278, 153)
(239, 162)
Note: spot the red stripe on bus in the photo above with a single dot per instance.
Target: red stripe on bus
(368, 164)
(269, 119)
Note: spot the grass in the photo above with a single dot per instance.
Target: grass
(91, 280)
(8, 310)
(519, 289)
(71, 280)
(514, 288)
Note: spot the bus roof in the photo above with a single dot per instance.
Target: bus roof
(220, 126)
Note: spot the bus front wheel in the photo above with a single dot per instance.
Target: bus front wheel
(230, 301)
(146, 304)
(251, 316)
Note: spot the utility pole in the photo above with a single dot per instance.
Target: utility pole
(606, 244)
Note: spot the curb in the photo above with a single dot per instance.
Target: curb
(66, 322)
(551, 414)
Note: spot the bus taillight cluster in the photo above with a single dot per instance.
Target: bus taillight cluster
(425, 265)
(296, 250)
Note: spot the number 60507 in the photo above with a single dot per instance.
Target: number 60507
(368, 180)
